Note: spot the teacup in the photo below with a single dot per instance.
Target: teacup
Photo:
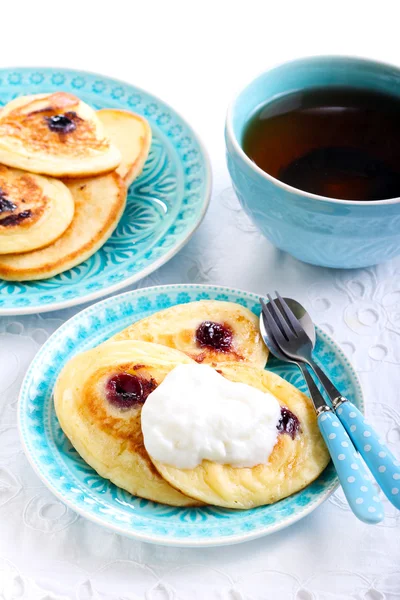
(315, 229)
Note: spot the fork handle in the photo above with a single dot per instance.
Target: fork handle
(353, 476)
(381, 462)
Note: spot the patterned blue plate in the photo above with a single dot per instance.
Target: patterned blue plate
(76, 484)
(165, 204)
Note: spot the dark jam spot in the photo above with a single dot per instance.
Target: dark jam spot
(288, 423)
(214, 335)
(5, 204)
(128, 391)
(62, 123)
(15, 219)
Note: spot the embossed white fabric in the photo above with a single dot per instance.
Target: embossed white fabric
(195, 55)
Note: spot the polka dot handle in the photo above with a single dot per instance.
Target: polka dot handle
(381, 462)
(353, 476)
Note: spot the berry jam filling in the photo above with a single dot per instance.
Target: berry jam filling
(288, 423)
(215, 336)
(5, 204)
(15, 219)
(127, 391)
(62, 123)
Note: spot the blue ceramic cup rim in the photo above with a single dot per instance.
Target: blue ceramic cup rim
(243, 156)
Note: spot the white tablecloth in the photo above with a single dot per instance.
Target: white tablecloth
(195, 55)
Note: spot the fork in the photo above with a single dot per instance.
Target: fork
(294, 342)
(354, 479)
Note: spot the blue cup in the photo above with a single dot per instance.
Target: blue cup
(315, 229)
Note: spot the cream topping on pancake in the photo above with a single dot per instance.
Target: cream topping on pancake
(196, 414)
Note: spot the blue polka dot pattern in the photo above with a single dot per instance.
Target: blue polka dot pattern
(382, 463)
(356, 483)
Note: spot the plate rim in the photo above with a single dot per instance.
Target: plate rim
(97, 294)
(165, 540)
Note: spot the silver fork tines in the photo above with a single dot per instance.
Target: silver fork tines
(275, 331)
(288, 323)
(281, 322)
(291, 318)
(277, 336)
(294, 341)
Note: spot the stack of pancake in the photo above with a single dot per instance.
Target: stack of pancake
(99, 396)
(64, 174)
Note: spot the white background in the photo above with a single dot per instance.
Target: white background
(195, 56)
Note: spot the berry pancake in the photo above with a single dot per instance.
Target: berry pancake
(34, 210)
(209, 331)
(298, 457)
(55, 134)
(99, 204)
(98, 399)
(131, 134)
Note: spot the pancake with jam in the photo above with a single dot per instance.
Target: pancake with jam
(131, 134)
(209, 331)
(34, 210)
(298, 457)
(98, 399)
(55, 134)
(99, 204)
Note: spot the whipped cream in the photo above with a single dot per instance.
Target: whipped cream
(197, 414)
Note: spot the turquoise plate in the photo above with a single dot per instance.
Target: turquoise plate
(75, 483)
(165, 204)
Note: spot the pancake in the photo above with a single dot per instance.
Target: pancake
(55, 134)
(297, 459)
(34, 210)
(99, 204)
(131, 134)
(209, 331)
(107, 434)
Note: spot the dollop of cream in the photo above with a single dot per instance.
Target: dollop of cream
(197, 414)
